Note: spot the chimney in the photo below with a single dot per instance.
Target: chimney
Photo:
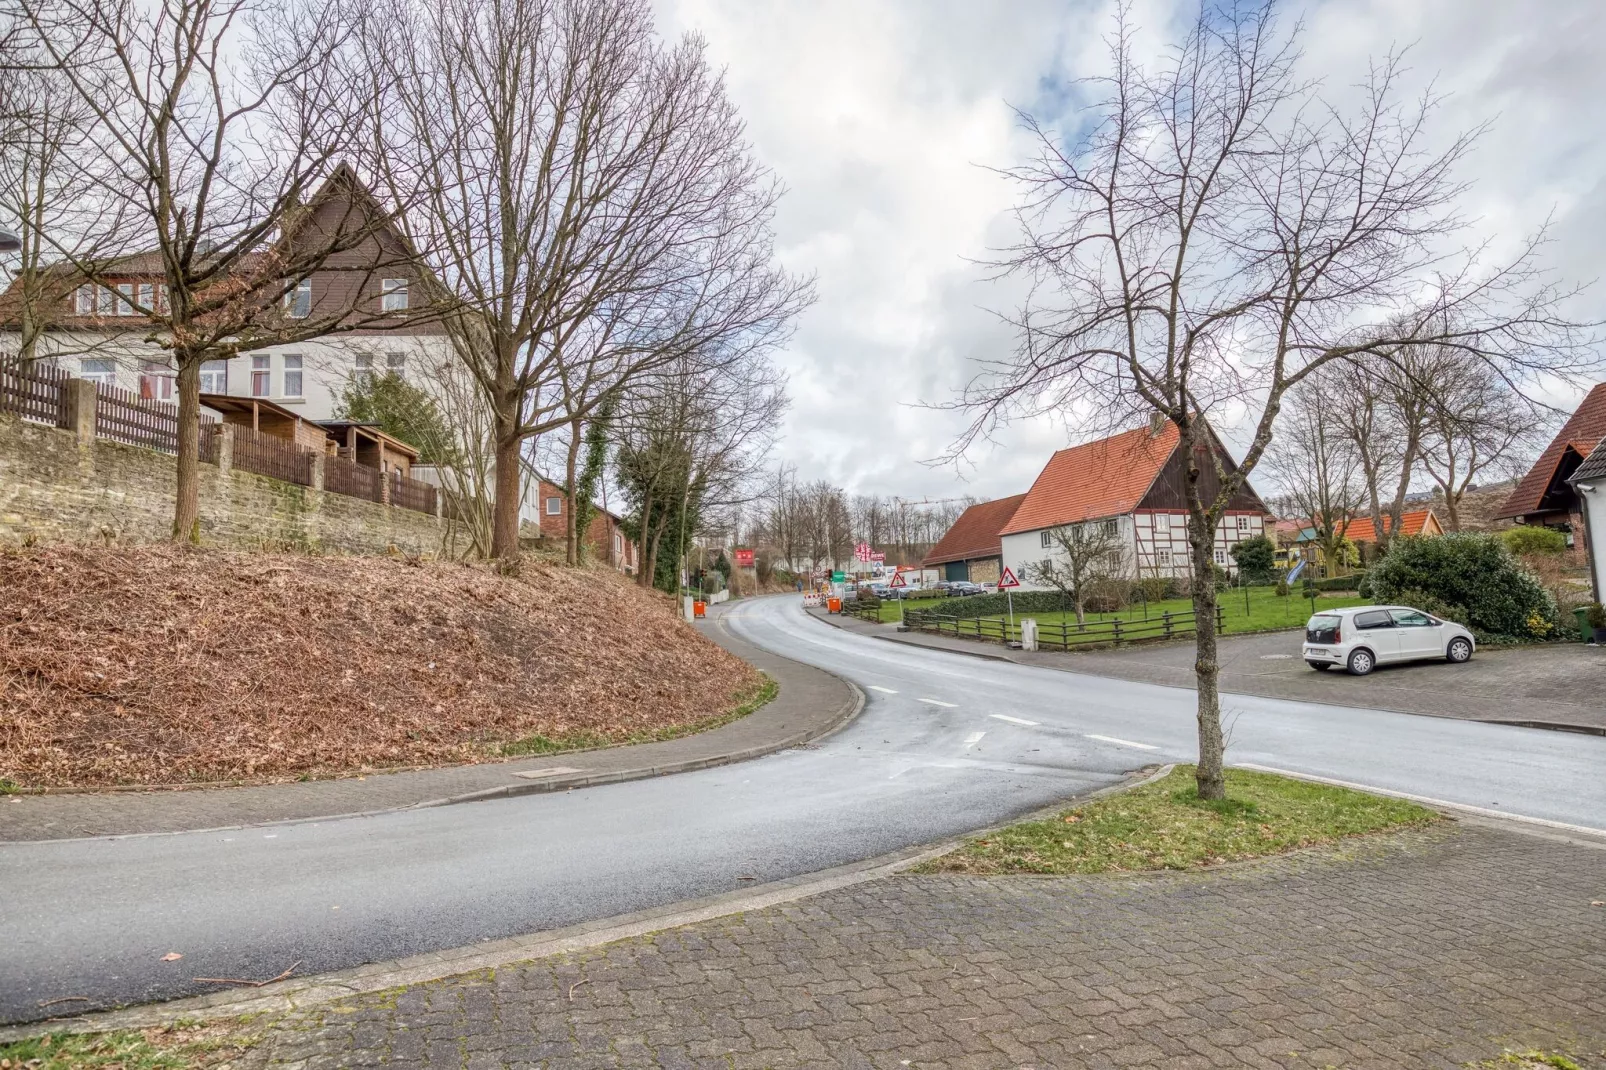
(1157, 423)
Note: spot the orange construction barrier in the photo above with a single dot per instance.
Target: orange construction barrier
(833, 605)
(699, 609)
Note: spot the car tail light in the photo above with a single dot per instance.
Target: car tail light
(1338, 635)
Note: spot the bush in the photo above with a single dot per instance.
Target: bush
(1472, 571)
(1256, 559)
(1596, 615)
(1430, 603)
(1529, 539)
(1351, 582)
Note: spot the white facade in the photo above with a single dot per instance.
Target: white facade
(1592, 499)
(1156, 544)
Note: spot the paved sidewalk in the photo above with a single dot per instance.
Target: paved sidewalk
(810, 704)
(1551, 685)
(1431, 949)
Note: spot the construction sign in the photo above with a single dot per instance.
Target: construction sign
(1007, 580)
(897, 580)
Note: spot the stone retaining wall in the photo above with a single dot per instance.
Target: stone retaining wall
(54, 487)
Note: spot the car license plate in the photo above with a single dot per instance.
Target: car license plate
(1323, 651)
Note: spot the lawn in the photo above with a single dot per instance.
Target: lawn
(1164, 825)
(179, 1047)
(1266, 611)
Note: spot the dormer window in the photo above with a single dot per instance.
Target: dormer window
(298, 302)
(393, 295)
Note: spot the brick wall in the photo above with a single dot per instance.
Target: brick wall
(55, 490)
(600, 536)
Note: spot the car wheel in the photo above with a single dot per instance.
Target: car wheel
(1319, 666)
(1361, 662)
(1458, 651)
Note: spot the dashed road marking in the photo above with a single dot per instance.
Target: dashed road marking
(1123, 742)
(973, 739)
(883, 690)
(1013, 720)
(939, 702)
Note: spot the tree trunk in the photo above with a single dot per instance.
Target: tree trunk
(643, 548)
(187, 507)
(505, 507)
(1206, 669)
(571, 548)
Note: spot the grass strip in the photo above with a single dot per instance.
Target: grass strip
(180, 1047)
(575, 741)
(1164, 825)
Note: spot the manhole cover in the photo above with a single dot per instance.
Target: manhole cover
(1275, 657)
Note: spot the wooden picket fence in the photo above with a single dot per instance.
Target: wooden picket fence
(123, 416)
(33, 391)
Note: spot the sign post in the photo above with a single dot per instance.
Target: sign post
(1007, 583)
(897, 581)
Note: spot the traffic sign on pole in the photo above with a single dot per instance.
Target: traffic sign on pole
(897, 580)
(1007, 580)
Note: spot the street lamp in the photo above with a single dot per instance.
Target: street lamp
(9, 242)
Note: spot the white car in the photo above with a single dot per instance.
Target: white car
(1363, 637)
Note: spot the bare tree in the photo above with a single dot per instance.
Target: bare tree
(1087, 553)
(1318, 467)
(216, 120)
(1214, 230)
(586, 194)
(1476, 426)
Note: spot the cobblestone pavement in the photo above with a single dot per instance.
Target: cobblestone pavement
(1430, 949)
(1552, 683)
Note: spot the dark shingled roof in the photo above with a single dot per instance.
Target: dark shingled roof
(975, 533)
(1594, 466)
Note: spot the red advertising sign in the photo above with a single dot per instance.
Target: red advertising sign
(744, 559)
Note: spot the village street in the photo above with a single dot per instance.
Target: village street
(945, 744)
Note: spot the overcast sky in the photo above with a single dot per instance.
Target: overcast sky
(883, 118)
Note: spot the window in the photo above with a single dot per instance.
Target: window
(1377, 618)
(1411, 618)
(215, 377)
(554, 506)
(393, 295)
(292, 375)
(125, 299)
(1244, 523)
(155, 381)
(298, 302)
(105, 302)
(101, 372)
(261, 375)
(396, 364)
(147, 297)
(161, 297)
(363, 377)
(85, 304)
(1048, 539)
(1221, 557)
(1162, 557)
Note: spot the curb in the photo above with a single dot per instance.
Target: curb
(301, 993)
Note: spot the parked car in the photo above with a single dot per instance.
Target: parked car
(1363, 637)
(881, 590)
(965, 588)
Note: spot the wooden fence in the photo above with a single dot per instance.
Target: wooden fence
(33, 391)
(342, 475)
(123, 416)
(412, 493)
(273, 457)
(1064, 635)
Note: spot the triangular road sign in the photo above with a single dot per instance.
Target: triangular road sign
(1007, 579)
(897, 580)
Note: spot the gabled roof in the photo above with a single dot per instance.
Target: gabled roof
(1594, 466)
(1585, 428)
(1105, 478)
(976, 532)
(1361, 529)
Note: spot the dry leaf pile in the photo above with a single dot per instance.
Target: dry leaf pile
(160, 665)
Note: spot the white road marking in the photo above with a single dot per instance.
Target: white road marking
(973, 739)
(1013, 720)
(883, 690)
(939, 702)
(1123, 742)
(1428, 799)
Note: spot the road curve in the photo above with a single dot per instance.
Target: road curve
(946, 744)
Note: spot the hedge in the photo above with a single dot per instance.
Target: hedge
(1352, 582)
(1470, 572)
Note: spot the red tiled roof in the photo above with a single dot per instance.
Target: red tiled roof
(1096, 479)
(1583, 430)
(975, 533)
(1360, 529)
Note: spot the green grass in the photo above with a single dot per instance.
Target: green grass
(177, 1048)
(1266, 611)
(583, 740)
(1164, 825)
(1529, 1060)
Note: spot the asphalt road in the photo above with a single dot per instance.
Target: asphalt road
(946, 744)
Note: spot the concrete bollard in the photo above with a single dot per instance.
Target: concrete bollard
(1028, 634)
(689, 604)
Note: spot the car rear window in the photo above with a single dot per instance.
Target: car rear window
(1322, 628)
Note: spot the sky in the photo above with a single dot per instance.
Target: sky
(888, 119)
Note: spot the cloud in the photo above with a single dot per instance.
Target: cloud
(884, 121)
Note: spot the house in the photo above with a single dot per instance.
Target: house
(1588, 482)
(1134, 484)
(96, 334)
(1546, 495)
(605, 536)
(971, 550)
(1361, 532)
